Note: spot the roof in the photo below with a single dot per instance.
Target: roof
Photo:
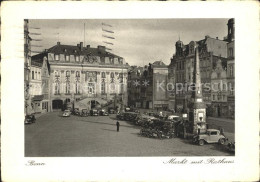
(38, 98)
(212, 130)
(77, 50)
(159, 63)
(36, 63)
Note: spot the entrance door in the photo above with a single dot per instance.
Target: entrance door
(57, 104)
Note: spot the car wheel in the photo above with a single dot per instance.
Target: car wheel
(222, 141)
(201, 142)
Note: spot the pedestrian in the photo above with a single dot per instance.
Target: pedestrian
(117, 126)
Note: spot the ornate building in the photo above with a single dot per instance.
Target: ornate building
(212, 51)
(84, 76)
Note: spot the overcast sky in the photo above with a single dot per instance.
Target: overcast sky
(139, 41)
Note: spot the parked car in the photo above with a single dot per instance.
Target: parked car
(66, 113)
(84, 113)
(120, 116)
(211, 136)
(231, 146)
(102, 112)
(76, 112)
(29, 119)
(93, 112)
(111, 111)
(173, 118)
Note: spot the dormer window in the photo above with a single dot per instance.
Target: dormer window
(57, 57)
(77, 58)
(67, 58)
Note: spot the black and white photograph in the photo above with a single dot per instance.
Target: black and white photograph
(129, 91)
(129, 87)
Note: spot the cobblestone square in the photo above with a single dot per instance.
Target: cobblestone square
(56, 136)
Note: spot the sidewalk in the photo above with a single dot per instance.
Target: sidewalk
(37, 115)
(222, 119)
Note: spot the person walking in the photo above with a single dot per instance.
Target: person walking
(117, 126)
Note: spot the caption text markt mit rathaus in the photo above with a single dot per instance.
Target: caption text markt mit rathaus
(202, 161)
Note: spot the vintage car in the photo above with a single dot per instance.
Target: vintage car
(130, 116)
(93, 112)
(173, 118)
(66, 113)
(145, 120)
(111, 111)
(84, 113)
(211, 136)
(75, 111)
(102, 112)
(29, 119)
(120, 116)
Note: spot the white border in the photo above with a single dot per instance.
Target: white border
(246, 160)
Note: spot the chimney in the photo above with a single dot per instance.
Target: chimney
(88, 46)
(101, 48)
(58, 43)
(217, 38)
(81, 46)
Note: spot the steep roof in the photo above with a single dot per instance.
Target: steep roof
(77, 50)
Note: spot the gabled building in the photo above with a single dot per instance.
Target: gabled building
(211, 52)
(40, 85)
(147, 86)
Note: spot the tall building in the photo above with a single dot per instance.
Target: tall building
(147, 86)
(40, 85)
(84, 76)
(231, 69)
(212, 53)
(27, 66)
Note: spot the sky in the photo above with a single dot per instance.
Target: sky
(138, 41)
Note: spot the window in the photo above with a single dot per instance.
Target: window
(230, 51)
(77, 87)
(91, 88)
(103, 87)
(103, 75)
(57, 88)
(112, 75)
(57, 57)
(39, 75)
(231, 71)
(218, 97)
(67, 87)
(77, 74)
(77, 58)
(213, 97)
(214, 133)
(223, 97)
(32, 74)
(67, 58)
(122, 88)
(67, 73)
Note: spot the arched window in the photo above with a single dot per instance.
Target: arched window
(67, 87)
(67, 73)
(103, 75)
(77, 74)
(57, 88)
(32, 74)
(112, 75)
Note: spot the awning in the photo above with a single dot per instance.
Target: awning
(38, 98)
